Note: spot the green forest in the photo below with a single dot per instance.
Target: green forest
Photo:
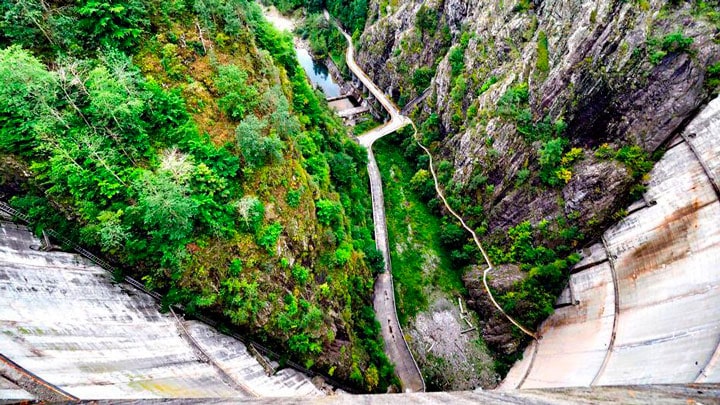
(182, 141)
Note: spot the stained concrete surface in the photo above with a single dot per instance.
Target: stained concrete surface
(649, 294)
(11, 392)
(626, 395)
(63, 318)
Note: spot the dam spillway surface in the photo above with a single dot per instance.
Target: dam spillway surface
(65, 320)
(646, 298)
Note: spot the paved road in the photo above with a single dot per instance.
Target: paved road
(395, 345)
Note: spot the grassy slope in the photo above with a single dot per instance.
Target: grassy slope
(414, 235)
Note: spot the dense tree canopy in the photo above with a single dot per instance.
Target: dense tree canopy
(184, 142)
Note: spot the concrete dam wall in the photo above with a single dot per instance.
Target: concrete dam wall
(645, 302)
(63, 319)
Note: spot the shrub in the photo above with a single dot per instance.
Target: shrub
(550, 159)
(522, 6)
(426, 20)
(636, 159)
(293, 198)
(604, 152)
(235, 267)
(713, 76)
(657, 56)
(328, 212)
(486, 84)
(422, 77)
(522, 176)
(513, 98)
(543, 63)
(269, 235)
(343, 253)
(301, 274)
(676, 42)
(457, 60)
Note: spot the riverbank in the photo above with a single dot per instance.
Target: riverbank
(278, 20)
(324, 70)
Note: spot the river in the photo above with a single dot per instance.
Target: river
(316, 71)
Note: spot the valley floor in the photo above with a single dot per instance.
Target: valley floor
(427, 287)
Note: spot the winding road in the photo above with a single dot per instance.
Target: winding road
(384, 298)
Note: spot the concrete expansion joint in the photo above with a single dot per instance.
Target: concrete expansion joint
(616, 314)
(708, 173)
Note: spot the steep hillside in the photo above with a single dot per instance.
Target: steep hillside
(183, 142)
(545, 117)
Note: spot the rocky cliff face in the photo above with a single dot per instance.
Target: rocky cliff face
(546, 110)
(644, 300)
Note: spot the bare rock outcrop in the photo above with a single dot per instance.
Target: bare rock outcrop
(597, 74)
(496, 330)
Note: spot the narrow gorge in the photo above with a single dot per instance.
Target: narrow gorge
(511, 202)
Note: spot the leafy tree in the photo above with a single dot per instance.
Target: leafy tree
(113, 23)
(251, 212)
(452, 235)
(352, 13)
(113, 234)
(318, 167)
(328, 212)
(117, 105)
(237, 96)
(423, 184)
(282, 119)
(374, 258)
(241, 299)
(422, 77)
(257, 149)
(342, 168)
(177, 164)
(27, 97)
(167, 210)
(23, 22)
